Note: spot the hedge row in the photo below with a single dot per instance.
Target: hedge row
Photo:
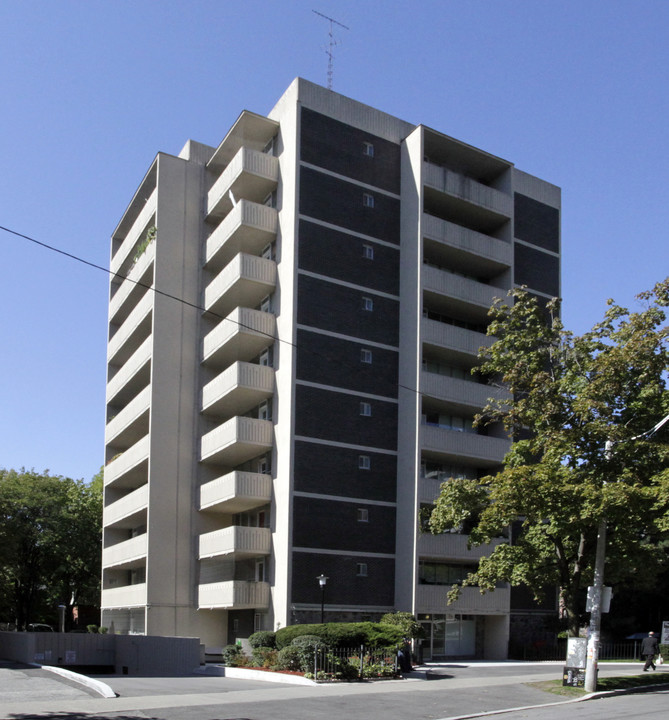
(343, 635)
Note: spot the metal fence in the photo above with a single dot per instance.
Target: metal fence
(628, 650)
(354, 663)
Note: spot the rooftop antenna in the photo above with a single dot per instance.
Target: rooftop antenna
(331, 45)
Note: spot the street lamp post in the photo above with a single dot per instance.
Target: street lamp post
(322, 580)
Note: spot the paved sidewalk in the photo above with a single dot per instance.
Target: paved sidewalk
(473, 689)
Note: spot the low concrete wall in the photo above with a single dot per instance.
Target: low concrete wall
(128, 654)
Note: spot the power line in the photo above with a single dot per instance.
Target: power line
(195, 306)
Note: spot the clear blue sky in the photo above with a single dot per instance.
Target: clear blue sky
(575, 91)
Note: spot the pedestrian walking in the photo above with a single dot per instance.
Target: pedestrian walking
(649, 649)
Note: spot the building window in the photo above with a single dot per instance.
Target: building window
(364, 462)
(368, 252)
(368, 200)
(361, 569)
(363, 515)
(366, 356)
(365, 409)
(367, 304)
(368, 149)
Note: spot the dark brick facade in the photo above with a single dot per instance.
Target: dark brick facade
(340, 148)
(340, 309)
(332, 200)
(332, 470)
(332, 361)
(342, 256)
(344, 586)
(538, 270)
(335, 416)
(536, 223)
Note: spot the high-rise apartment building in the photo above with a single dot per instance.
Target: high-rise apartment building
(293, 318)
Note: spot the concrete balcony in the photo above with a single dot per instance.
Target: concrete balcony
(122, 259)
(251, 175)
(139, 277)
(124, 597)
(243, 335)
(243, 282)
(452, 546)
(461, 393)
(457, 446)
(134, 375)
(132, 423)
(460, 295)
(237, 389)
(236, 441)
(432, 599)
(451, 337)
(467, 189)
(236, 541)
(234, 594)
(467, 249)
(129, 511)
(248, 227)
(236, 492)
(132, 333)
(127, 554)
(130, 469)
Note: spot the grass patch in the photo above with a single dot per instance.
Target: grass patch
(555, 687)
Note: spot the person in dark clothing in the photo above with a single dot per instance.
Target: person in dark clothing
(649, 649)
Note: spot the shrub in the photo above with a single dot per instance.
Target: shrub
(264, 657)
(286, 635)
(308, 645)
(91, 628)
(231, 655)
(263, 638)
(407, 623)
(344, 634)
(289, 658)
(103, 630)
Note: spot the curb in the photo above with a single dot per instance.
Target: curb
(244, 674)
(96, 685)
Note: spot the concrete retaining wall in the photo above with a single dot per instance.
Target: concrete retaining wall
(128, 654)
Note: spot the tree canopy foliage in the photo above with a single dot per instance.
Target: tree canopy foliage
(568, 397)
(50, 544)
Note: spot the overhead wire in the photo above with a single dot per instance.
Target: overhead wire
(200, 308)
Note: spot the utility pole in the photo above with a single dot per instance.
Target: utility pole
(331, 45)
(598, 581)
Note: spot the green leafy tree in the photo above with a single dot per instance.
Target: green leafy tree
(50, 543)
(568, 396)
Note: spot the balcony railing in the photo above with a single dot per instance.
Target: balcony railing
(432, 599)
(452, 546)
(242, 335)
(474, 298)
(251, 175)
(130, 335)
(234, 594)
(129, 553)
(237, 389)
(125, 596)
(481, 250)
(236, 441)
(130, 468)
(132, 376)
(468, 189)
(249, 227)
(453, 445)
(236, 492)
(123, 257)
(237, 541)
(132, 423)
(453, 337)
(124, 512)
(244, 282)
(465, 393)
(134, 286)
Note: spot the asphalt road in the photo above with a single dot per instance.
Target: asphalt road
(456, 691)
